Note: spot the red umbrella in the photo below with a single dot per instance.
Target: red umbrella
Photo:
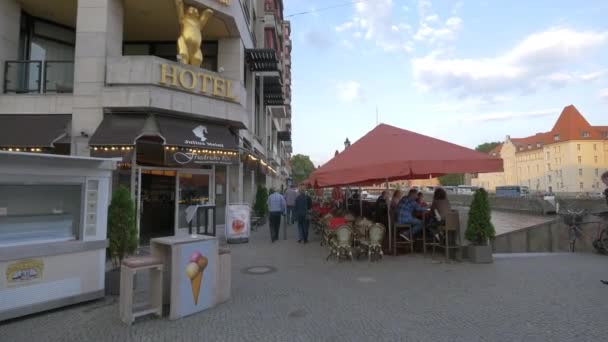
(389, 153)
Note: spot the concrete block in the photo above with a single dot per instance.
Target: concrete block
(89, 69)
(518, 242)
(88, 88)
(86, 120)
(65, 104)
(161, 98)
(138, 97)
(539, 239)
(91, 19)
(201, 105)
(181, 102)
(90, 44)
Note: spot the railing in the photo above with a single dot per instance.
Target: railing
(27, 77)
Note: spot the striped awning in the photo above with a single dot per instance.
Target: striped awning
(260, 60)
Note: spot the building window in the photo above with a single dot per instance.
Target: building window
(257, 119)
(585, 134)
(538, 145)
(556, 137)
(549, 167)
(548, 156)
(549, 178)
(556, 161)
(595, 147)
(580, 172)
(561, 185)
(580, 159)
(581, 185)
(578, 147)
(597, 172)
(595, 159)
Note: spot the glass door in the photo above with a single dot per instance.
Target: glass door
(194, 188)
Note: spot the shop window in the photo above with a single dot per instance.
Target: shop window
(40, 213)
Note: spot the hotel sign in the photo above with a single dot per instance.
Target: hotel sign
(175, 76)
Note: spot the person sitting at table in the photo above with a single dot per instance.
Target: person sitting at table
(406, 210)
(441, 205)
(395, 202)
(380, 209)
(420, 200)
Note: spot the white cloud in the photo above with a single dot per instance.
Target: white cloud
(593, 76)
(508, 115)
(541, 58)
(347, 44)
(375, 22)
(604, 94)
(349, 91)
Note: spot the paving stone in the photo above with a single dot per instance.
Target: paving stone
(553, 297)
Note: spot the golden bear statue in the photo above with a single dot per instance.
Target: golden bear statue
(190, 38)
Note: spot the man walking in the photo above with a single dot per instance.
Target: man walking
(276, 207)
(303, 204)
(290, 199)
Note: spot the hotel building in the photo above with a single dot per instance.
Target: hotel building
(102, 78)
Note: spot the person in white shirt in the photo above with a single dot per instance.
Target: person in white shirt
(276, 208)
(290, 198)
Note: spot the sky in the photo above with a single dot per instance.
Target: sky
(467, 72)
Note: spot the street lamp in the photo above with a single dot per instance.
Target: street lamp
(346, 143)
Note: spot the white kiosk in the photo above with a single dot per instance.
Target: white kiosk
(53, 222)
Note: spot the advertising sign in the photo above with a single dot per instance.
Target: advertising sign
(197, 273)
(24, 272)
(238, 223)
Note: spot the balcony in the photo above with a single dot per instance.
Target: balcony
(38, 77)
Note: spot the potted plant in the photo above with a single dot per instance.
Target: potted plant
(122, 234)
(480, 229)
(260, 207)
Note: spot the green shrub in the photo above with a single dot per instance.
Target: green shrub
(122, 231)
(261, 201)
(480, 228)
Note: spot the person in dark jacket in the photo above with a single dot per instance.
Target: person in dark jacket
(301, 211)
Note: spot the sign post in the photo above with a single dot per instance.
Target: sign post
(238, 223)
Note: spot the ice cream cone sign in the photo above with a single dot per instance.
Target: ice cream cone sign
(194, 270)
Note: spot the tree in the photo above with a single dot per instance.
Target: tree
(122, 232)
(480, 228)
(487, 147)
(452, 179)
(301, 167)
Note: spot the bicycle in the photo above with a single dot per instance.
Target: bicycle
(573, 219)
(601, 242)
(257, 221)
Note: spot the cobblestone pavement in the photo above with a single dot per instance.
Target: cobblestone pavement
(518, 298)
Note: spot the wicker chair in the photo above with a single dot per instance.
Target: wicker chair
(373, 245)
(342, 245)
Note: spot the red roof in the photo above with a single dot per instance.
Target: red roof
(495, 152)
(391, 153)
(571, 125)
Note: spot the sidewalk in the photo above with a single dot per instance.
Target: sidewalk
(520, 298)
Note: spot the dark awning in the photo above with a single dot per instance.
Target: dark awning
(119, 129)
(33, 130)
(273, 91)
(284, 136)
(196, 134)
(261, 60)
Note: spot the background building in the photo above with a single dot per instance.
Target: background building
(101, 78)
(570, 158)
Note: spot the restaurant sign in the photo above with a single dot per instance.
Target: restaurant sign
(190, 159)
(176, 76)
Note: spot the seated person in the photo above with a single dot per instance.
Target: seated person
(441, 205)
(420, 200)
(406, 210)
